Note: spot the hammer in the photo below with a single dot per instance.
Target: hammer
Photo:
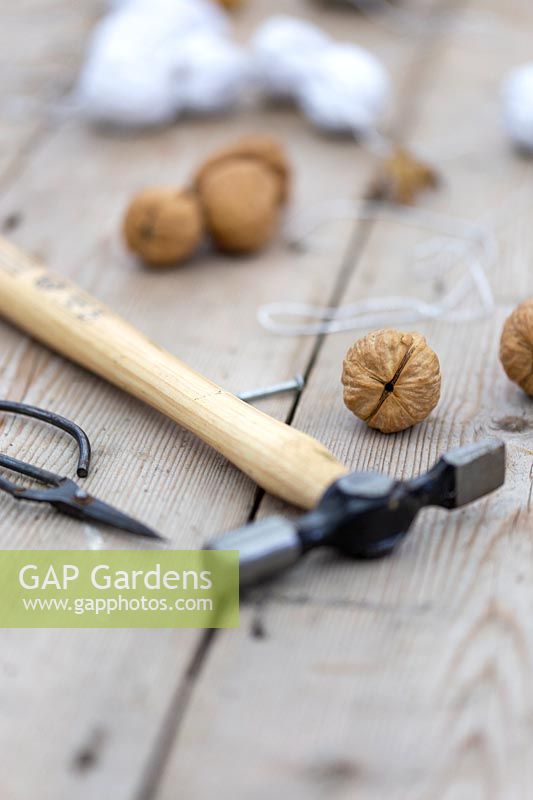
(365, 514)
(282, 460)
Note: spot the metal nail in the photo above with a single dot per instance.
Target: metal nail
(294, 385)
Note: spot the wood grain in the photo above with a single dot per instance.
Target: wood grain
(74, 324)
(88, 714)
(35, 76)
(407, 678)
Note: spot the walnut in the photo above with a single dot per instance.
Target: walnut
(241, 203)
(242, 189)
(163, 226)
(257, 148)
(402, 176)
(516, 346)
(391, 379)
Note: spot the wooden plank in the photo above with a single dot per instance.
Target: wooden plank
(406, 677)
(78, 235)
(37, 65)
(87, 709)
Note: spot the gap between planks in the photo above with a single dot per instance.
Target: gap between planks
(420, 70)
(472, 605)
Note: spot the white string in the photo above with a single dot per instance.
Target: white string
(151, 60)
(517, 106)
(339, 86)
(457, 240)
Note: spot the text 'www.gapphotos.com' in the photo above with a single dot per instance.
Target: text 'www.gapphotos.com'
(120, 604)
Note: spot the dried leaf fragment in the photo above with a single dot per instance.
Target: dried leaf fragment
(402, 177)
(231, 5)
(391, 379)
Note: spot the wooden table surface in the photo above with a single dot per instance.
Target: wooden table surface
(406, 678)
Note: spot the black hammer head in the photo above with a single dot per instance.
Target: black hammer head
(366, 514)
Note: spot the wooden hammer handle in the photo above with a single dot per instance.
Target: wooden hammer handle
(282, 460)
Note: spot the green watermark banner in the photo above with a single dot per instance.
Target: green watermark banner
(119, 589)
